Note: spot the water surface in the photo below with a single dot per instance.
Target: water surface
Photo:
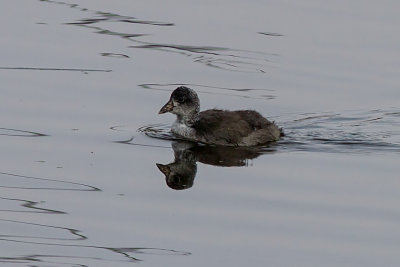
(84, 159)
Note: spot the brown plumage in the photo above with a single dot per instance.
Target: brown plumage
(237, 128)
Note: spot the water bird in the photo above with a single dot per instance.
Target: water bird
(215, 126)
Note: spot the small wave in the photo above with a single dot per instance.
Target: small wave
(223, 58)
(17, 181)
(116, 55)
(74, 252)
(158, 131)
(21, 133)
(275, 34)
(55, 69)
(63, 233)
(105, 16)
(354, 131)
(28, 206)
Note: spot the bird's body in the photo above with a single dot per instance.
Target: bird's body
(215, 126)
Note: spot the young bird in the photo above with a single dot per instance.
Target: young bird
(215, 126)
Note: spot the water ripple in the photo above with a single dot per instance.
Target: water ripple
(354, 131)
(102, 16)
(158, 131)
(32, 206)
(31, 236)
(270, 33)
(16, 181)
(21, 133)
(55, 69)
(111, 17)
(223, 58)
(36, 228)
(72, 252)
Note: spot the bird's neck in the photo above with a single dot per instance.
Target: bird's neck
(188, 119)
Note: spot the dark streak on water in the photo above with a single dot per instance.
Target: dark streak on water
(271, 34)
(127, 253)
(216, 57)
(74, 232)
(114, 55)
(22, 133)
(54, 69)
(13, 181)
(29, 204)
(106, 16)
(27, 240)
(223, 58)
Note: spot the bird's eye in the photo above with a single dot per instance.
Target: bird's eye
(180, 99)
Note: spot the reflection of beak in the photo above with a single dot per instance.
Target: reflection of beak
(164, 169)
(167, 107)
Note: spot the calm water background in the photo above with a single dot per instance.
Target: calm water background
(81, 85)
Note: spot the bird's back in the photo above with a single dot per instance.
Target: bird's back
(235, 128)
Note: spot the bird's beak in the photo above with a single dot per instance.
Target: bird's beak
(167, 107)
(164, 169)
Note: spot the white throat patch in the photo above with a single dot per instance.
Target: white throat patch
(183, 130)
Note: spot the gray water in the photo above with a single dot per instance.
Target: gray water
(80, 137)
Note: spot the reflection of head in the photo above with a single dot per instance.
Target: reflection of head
(178, 176)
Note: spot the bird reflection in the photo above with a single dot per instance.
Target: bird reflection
(180, 173)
